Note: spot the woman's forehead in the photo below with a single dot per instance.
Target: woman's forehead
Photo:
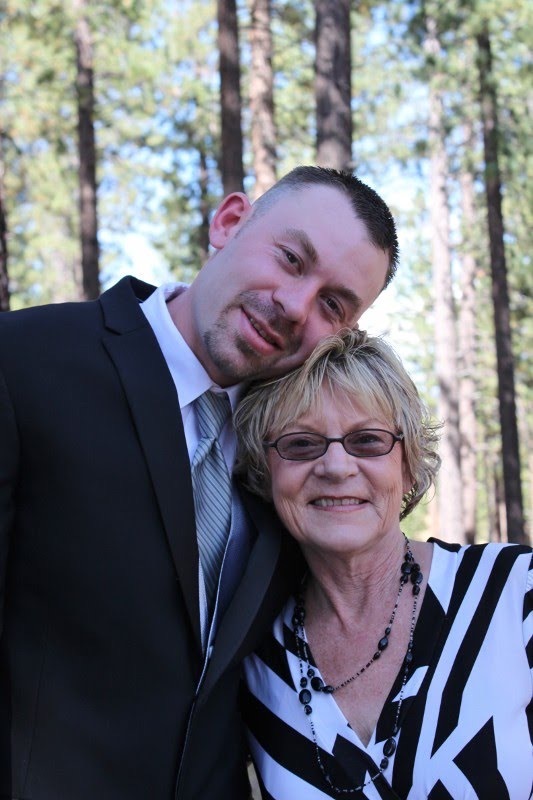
(350, 405)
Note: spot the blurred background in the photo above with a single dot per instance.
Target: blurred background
(122, 125)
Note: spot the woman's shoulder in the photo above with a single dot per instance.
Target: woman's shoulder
(478, 550)
(501, 564)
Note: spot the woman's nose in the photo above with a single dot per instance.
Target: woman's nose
(336, 462)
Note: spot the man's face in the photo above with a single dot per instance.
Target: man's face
(280, 281)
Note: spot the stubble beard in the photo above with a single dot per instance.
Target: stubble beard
(233, 356)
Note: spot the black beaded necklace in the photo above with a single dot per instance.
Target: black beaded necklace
(409, 570)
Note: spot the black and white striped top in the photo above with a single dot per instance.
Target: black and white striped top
(467, 714)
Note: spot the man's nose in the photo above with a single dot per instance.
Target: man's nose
(296, 300)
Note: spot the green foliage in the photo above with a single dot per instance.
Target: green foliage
(157, 128)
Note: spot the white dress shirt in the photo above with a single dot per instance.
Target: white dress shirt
(191, 380)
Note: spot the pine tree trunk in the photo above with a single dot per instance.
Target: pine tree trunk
(500, 296)
(90, 255)
(231, 156)
(4, 281)
(467, 358)
(333, 85)
(203, 233)
(262, 98)
(450, 489)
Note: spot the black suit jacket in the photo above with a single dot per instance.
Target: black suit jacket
(102, 691)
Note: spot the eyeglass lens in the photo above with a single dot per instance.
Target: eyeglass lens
(306, 446)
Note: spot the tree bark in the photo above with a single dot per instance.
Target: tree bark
(203, 231)
(467, 355)
(500, 294)
(231, 156)
(450, 489)
(4, 280)
(90, 255)
(333, 85)
(262, 98)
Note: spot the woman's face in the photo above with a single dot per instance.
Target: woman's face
(339, 503)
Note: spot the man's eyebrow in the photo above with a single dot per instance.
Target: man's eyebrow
(301, 238)
(350, 297)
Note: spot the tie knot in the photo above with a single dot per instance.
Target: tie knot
(212, 410)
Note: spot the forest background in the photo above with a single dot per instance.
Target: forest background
(124, 123)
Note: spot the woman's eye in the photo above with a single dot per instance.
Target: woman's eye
(367, 438)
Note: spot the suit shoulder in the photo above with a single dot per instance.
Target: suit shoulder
(33, 334)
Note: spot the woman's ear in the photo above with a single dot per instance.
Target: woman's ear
(229, 217)
(407, 479)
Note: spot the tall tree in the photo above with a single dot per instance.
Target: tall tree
(333, 86)
(450, 492)
(4, 282)
(86, 154)
(500, 292)
(467, 350)
(262, 97)
(231, 155)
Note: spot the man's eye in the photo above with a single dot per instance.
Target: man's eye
(290, 257)
(333, 306)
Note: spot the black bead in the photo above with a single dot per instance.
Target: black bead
(389, 748)
(416, 567)
(305, 697)
(408, 657)
(387, 630)
(308, 710)
(328, 689)
(417, 577)
(384, 763)
(377, 654)
(310, 672)
(383, 643)
(416, 589)
(303, 682)
(317, 683)
(406, 568)
(404, 579)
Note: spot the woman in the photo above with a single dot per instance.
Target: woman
(400, 668)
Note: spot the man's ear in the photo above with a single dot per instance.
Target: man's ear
(231, 215)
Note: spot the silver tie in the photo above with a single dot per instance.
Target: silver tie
(212, 489)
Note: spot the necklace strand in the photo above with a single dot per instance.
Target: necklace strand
(410, 570)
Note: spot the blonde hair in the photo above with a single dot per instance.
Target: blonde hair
(354, 364)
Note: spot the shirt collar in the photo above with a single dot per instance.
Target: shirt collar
(190, 377)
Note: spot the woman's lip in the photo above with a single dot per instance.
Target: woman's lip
(337, 502)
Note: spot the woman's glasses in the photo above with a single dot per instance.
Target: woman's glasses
(303, 446)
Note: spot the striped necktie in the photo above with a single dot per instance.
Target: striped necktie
(212, 489)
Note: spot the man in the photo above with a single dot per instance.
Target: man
(119, 658)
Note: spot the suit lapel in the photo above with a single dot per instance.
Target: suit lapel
(152, 398)
(263, 565)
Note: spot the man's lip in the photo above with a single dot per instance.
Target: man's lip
(346, 501)
(263, 330)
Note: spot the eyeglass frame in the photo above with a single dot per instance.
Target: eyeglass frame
(396, 437)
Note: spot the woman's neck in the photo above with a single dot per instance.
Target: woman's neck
(350, 587)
